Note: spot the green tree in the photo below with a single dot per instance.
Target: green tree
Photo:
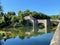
(34, 13)
(54, 17)
(7, 20)
(27, 12)
(14, 19)
(20, 16)
(1, 14)
(1, 9)
(39, 15)
(11, 13)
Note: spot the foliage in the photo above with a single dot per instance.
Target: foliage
(11, 19)
(14, 19)
(1, 8)
(54, 17)
(27, 13)
(11, 13)
(20, 16)
(39, 15)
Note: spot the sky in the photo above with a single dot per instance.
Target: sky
(49, 7)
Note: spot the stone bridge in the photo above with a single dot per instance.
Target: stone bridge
(56, 38)
(35, 22)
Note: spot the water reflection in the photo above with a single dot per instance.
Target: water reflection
(34, 40)
(21, 32)
(24, 36)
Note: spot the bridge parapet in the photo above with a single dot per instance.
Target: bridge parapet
(27, 17)
(41, 21)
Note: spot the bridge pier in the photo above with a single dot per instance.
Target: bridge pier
(35, 22)
(46, 23)
(34, 26)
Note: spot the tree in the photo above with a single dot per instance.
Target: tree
(20, 16)
(1, 20)
(34, 13)
(1, 14)
(44, 16)
(39, 15)
(11, 13)
(54, 17)
(7, 20)
(14, 19)
(27, 12)
(1, 9)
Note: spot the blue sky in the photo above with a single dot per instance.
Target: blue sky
(49, 7)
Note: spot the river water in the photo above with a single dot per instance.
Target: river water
(43, 39)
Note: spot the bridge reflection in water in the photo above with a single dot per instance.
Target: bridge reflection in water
(35, 22)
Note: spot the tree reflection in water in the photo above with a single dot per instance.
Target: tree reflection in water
(22, 32)
(0, 39)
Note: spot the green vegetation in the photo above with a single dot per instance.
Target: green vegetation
(17, 24)
(55, 17)
(22, 32)
(10, 19)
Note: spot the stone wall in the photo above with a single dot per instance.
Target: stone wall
(56, 38)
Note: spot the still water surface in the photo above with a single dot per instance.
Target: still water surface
(43, 39)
